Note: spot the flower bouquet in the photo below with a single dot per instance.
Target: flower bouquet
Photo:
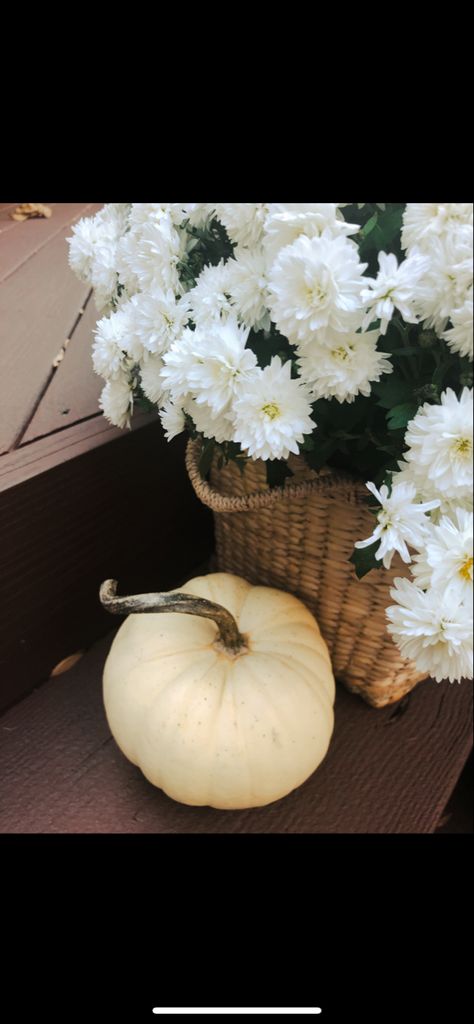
(321, 338)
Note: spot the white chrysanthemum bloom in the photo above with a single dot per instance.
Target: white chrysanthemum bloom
(440, 441)
(248, 287)
(172, 420)
(150, 378)
(272, 413)
(207, 422)
(423, 220)
(460, 336)
(446, 282)
(393, 289)
(287, 221)
(104, 277)
(176, 364)
(210, 298)
(425, 491)
(156, 319)
(344, 365)
(109, 346)
(243, 221)
(86, 234)
(113, 219)
(152, 255)
(222, 365)
(198, 214)
(143, 214)
(399, 522)
(116, 401)
(316, 283)
(446, 559)
(125, 254)
(433, 629)
(93, 250)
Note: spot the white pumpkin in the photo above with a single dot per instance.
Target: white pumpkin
(218, 712)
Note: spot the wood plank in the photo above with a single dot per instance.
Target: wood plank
(46, 453)
(125, 508)
(388, 770)
(74, 391)
(30, 236)
(6, 222)
(38, 308)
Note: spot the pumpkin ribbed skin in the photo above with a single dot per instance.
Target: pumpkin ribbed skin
(210, 728)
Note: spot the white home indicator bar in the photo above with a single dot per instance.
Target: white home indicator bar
(237, 1009)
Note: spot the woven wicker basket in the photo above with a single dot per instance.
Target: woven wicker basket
(299, 538)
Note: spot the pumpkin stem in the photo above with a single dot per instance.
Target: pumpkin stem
(228, 633)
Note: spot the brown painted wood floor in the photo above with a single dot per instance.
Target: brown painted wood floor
(388, 770)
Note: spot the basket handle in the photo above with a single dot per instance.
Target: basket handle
(352, 490)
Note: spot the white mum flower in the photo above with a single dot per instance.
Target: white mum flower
(432, 628)
(151, 255)
(93, 250)
(208, 422)
(447, 556)
(243, 221)
(248, 287)
(287, 221)
(82, 244)
(423, 220)
(440, 440)
(104, 278)
(447, 280)
(150, 378)
(393, 289)
(344, 365)
(177, 363)
(109, 346)
(222, 365)
(460, 336)
(210, 298)
(399, 522)
(316, 283)
(143, 214)
(198, 214)
(156, 319)
(272, 413)
(210, 365)
(116, 401)
(172, 420)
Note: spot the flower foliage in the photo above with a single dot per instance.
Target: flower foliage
(340, 332)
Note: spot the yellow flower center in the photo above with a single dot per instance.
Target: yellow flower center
(272, 410)
(316, 295)
(342, 353)
(466, 569)
(463, 446)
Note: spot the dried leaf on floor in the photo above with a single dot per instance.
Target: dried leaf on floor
(27, 211)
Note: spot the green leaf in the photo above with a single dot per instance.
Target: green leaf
(400, 415)
(407, 350)
(369, 226)
(205, 458)
(323, 449)
(277, 472)
(392, 390)
(363, 559)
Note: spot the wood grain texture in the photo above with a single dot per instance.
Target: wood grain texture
(74, 390)
(388, 770)
(44, 454)
(124, 510)
(30, 236)
(37, 311)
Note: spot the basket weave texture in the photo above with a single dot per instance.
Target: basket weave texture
(299, 538)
